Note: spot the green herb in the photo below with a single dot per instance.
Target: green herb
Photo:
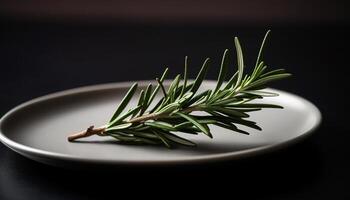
(227, 105)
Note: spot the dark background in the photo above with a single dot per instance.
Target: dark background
(47, 47)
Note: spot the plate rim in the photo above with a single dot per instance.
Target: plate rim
(42, 155)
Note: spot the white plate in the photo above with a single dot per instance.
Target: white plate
(38, 129)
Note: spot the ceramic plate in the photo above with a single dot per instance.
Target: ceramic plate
(38, 129)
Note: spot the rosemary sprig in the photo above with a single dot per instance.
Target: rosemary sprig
(227, 105)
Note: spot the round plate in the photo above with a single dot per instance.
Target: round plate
(38, 129)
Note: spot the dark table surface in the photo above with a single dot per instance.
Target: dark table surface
(40, 58)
